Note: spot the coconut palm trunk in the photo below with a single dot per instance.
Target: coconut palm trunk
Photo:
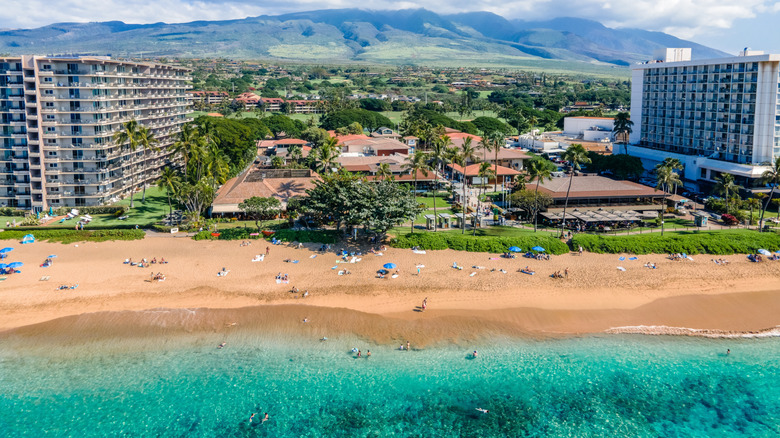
(415, 196)
(566, 203)
(768, 201)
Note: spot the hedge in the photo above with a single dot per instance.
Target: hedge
(719, 242)
(287, 235)
(70, 236)
(10, 211)
(477, 244)
(100, 209)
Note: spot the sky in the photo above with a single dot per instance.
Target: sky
(729, 25)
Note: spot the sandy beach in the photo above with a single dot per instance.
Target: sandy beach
(595, 297)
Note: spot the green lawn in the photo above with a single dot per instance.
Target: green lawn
(143, 213)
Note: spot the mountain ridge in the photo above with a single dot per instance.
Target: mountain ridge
(396, 37)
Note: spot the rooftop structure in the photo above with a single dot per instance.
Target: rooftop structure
(282, 184)
(597, 191)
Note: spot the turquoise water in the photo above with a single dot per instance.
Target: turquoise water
(617, 385)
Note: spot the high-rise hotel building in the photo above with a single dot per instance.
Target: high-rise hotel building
(58, 117)
(716, 116)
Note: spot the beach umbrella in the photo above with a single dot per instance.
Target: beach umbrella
(764, 252)
(15, 265)
(514, 249)
(6, 249)
(389, 266)
(52, 256)
(3, 266)
(538, 249)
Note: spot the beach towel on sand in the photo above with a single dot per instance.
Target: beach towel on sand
(620, 268)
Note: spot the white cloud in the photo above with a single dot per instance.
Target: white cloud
(683, 18)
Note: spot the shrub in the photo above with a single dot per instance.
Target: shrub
(729, 219)
(100, 209)
(10, 211)
(719, 242)
(70, 236)
(434, 241)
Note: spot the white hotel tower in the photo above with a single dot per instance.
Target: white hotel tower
(716, 116)
(58, 117)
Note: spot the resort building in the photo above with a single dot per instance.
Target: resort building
(58, 117)
(716, 116)
(208, 97)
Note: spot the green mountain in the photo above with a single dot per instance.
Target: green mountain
(412, 36)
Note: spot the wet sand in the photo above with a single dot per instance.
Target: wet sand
(596, 297)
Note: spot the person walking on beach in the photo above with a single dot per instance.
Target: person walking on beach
(267, 250)
(408, 346)
(424, 304)
(566, 272)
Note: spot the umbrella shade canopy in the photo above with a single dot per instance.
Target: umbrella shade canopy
(764, 252)
(538, 249)
(15, 265)
(389, 266)
(6, 249)
(53, 256)
(514, 249)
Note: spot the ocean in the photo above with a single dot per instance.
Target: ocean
(599, 385)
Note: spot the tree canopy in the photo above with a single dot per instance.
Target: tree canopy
(343, 118)
(491, 124)
(259, 208)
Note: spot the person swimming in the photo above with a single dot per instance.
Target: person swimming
(484, 411)
(222, 345)
(474, 354)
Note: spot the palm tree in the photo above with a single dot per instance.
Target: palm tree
(665, 177)
(674, 164)
(416, 163)
(752, 204)
(326, 155)
(575, 155)
(466, 154)
(295, 153)
(485, 171)
(771, 177)
(169, 180)
(622, 128)
(497, 141)
(148, 143)
(724, 183)
(538, 170)
(128, 135)
(383, 172)
(188, 138)
(438, 159)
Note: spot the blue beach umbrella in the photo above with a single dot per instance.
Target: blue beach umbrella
(538, 249)
(52, 256)
(6, 249)
(3, 266)
(15, 265)
(764, 252)
(514, 249)
(389, 266)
